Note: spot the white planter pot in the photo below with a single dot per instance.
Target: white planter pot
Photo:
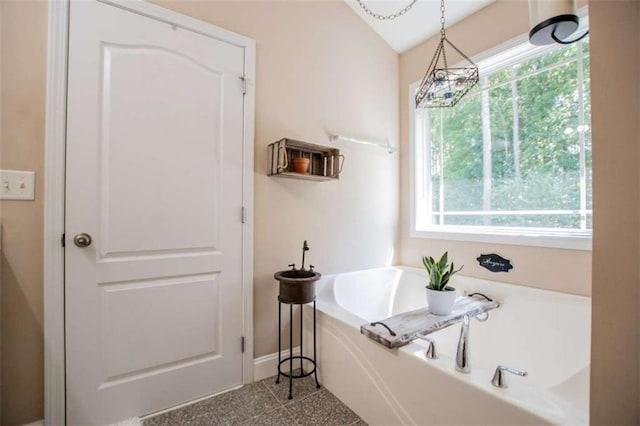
(441, 302)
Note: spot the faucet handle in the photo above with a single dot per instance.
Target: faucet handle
(432, 352)
(292, 266)
(499, 380)
(311, 268)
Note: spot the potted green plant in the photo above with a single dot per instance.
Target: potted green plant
(440, 297)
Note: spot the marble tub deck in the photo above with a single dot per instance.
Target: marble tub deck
(264, 403)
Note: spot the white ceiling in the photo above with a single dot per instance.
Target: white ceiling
(419, 23)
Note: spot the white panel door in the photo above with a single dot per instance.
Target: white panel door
(154, 176)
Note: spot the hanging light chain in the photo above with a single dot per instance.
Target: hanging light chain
(443, 34)
(442, 20)
(386, 17)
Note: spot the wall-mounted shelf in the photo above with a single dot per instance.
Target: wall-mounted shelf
(302, 176)
(325, 163)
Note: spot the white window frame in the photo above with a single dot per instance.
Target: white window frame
(510, 52)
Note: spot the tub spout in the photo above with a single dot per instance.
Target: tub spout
(463, 357)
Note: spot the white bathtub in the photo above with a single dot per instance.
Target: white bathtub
(544, 333)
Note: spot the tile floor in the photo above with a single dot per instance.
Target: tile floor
(264, 403)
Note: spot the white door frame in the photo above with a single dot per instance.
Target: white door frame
(54, 190)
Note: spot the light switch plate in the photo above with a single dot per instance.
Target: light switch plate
(17, 185)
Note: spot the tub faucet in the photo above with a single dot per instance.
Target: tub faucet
(463, 357)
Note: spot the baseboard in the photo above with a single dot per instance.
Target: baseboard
(267, 365)
(36, 423)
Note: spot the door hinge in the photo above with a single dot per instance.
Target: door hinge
(243, 215)
(62, 240)
(244, 84)
(242, 344)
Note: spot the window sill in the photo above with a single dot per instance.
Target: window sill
(571, 241)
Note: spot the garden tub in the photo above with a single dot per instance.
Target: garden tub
(542, 332)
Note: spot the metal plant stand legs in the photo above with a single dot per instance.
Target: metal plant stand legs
(301, 357)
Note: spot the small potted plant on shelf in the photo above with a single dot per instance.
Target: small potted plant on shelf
(440, 297)
(300, 165)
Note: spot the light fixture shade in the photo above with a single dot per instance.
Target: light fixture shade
(552, 20)
(442, 86)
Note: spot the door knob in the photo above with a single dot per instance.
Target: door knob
(82, 240)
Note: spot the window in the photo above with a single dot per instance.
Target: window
(511, 162)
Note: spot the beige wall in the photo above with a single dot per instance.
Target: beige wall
(615, 100)
(23, 47)
(319, 69)
(555, 269)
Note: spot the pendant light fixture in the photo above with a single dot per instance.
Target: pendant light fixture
(553, 21)
(442, 86)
